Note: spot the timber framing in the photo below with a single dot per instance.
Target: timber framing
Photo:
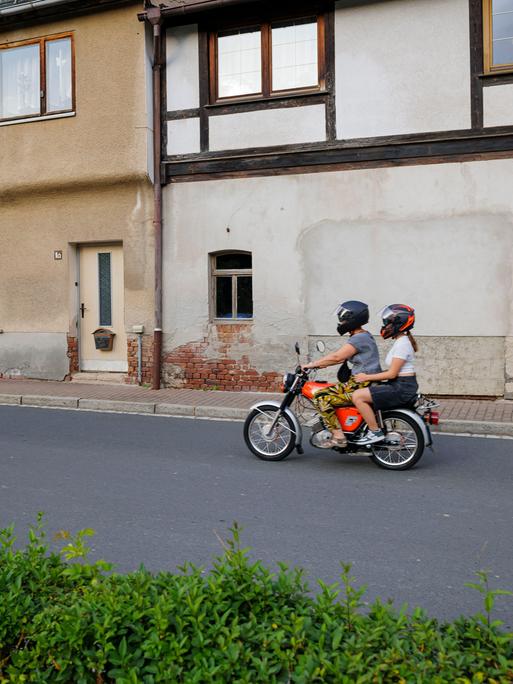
(451, 146)
(476, 62)
(475, 142)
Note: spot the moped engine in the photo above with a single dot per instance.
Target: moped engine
(319, 434)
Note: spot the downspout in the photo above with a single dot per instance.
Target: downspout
(154, 17)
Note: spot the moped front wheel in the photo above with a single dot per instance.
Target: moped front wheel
(265, 441)
(403, 445)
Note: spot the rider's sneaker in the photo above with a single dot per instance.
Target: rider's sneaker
(371, 437)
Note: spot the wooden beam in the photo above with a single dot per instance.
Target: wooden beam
(476, 62)
(309, 156)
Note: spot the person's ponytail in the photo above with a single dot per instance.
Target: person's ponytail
(413, 342)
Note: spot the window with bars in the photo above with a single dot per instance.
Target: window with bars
(36, 78)
(271, 58)
(231, 286)
(498, 35)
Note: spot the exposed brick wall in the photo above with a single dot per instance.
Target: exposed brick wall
(147, 359)
(210, 363)
(73, 354)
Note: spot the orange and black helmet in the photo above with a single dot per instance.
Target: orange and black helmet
(397, 318)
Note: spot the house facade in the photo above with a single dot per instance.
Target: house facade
(314, 152)
(76, 198)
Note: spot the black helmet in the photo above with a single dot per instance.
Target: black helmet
(397, 318)
(351, 315)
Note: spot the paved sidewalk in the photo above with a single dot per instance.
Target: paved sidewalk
(486, 417)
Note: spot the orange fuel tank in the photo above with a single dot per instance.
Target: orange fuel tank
(349, 418)
(311, 387)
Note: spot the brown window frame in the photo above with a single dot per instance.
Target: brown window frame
(266, 59)
(489, 66)
(232, 273)
(42, 41)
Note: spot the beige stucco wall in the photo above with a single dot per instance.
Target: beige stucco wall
(107, 139)
(37, 291)
(76, 180)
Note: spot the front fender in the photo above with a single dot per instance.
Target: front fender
(422, 425)
(291, 415)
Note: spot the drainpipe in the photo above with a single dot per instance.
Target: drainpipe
(154, 17)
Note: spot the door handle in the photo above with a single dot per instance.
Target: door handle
(82, 309)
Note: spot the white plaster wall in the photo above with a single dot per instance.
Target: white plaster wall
(439, 237)
(498, 105)
(402, 67)
(444, 364)
(268, 127)
(182, 67)
(183, 136)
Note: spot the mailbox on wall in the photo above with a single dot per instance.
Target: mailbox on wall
(103, 339)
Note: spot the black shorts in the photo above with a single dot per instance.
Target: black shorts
(394, 393)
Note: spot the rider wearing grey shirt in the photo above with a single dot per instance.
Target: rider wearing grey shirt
(366, 359)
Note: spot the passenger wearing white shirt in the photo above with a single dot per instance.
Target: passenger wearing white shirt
(402, 387)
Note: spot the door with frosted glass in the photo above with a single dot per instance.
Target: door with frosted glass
(101, 305)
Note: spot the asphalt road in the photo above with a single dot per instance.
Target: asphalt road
(155, 490)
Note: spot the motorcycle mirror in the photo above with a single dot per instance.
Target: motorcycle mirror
(296, 347)
(321, 347)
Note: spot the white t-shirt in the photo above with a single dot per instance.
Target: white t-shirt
(402, 349)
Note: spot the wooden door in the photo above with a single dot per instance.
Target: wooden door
(102, 306)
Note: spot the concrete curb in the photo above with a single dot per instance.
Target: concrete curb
(467, 427)
(10, 399)
(119, 406)
(174, 410)
(220, 412)
(475, 427)
(55, 402)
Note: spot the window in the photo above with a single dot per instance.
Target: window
(105, 288)
(232, 285)
(498, 35)
(269, 59)
(36, 78)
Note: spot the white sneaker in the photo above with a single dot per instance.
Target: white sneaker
(371, 437)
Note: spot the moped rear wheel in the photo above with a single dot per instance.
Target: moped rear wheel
(267, 444)
(404, 443)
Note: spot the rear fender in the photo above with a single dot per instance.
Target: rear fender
(291, 415)
(414, 416)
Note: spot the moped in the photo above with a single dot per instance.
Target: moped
(274, 429)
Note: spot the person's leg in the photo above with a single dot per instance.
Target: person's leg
(326, 401)
(323, 401)
(362, 400)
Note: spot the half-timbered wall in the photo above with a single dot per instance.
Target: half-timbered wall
(498, 105)
(402, 67)
(415, 205)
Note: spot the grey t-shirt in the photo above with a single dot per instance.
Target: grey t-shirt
(366, 359)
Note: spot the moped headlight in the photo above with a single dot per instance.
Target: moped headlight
(288, 381)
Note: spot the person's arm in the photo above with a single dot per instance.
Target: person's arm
(390, 374)
(339, 356)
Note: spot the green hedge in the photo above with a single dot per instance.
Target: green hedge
(63, 621)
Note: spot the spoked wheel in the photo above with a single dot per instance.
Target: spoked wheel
(403, 445)
(267, 444)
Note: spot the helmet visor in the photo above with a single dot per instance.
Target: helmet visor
(386, 312)
(341, 311)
